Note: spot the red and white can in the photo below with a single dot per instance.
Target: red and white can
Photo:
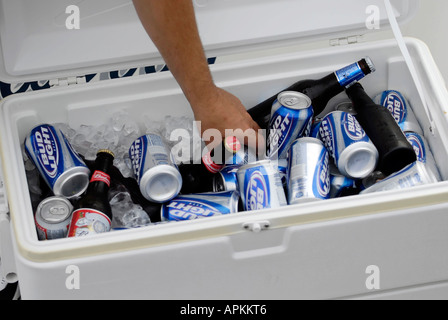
(53, 216)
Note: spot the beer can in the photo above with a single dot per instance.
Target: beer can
(154, 168)
(415, 174)
(340, 185)
(53, 216)
(200, 205)
(401, 110)
(370, 180)
(226, 179)
(291, 118)
(260, 186)
(423, 152)
(60, 166)
(308, 173)
(348, 144)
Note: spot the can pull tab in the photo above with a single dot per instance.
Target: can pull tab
(256, 226)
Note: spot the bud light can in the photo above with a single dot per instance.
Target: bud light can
(53, 217)
(291, 118)
(154, 168)
(349, 146)
(260, 186)
(397, 104)
(60, 166)
(200, 205)
(308, 173)
(423, 152)
(412, 175)
(341, 185)
(226, 179)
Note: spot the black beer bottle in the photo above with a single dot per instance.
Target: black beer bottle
(395, 151)
(196, 178)
(93, 213)
(319, 91)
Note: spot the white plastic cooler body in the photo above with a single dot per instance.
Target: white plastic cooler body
(381, 245)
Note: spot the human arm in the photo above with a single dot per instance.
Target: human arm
(171, 24)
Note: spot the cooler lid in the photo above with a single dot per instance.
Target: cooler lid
(37, 45)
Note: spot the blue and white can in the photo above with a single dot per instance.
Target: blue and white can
(353, 152)
(200, 205)
(291, 118)
(226, 179)
(400, 109)
(60, 166)
(415, 174)
(154, 168)
(308, 171)
(423, 152)
(260, 186)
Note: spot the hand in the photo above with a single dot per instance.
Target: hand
(220, 110)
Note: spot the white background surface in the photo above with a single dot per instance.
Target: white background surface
(430, 25)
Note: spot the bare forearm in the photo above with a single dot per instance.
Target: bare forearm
(171, 24)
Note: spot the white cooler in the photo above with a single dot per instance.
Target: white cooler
(380, 245)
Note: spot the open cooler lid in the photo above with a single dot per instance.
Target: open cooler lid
(37, 45)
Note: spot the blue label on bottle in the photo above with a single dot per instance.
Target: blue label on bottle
(349, 74)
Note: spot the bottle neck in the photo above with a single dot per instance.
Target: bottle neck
(352, 73)
(100, 180)
(358, 96)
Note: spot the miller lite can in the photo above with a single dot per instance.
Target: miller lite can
(155, 170)
(424, 154)
(398, 105)
(415, 174)
(60, 166)
(261, 186)
(353, 152)
(291, 118)
(308, 172)
(200, 205)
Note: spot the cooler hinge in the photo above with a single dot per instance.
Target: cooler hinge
(346, 40)
(62, 82)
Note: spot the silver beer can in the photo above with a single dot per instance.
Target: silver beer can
(413, 175)
(53, 216)
(261, 186)
(348, 144)
(308, 172)
(154, 168)
(400, 109)
(61, 167)
(423, 152)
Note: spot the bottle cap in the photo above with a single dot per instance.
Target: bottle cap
(106, 151)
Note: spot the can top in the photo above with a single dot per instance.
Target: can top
(294, 100)
(54, 209)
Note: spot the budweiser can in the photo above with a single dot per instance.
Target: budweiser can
(348, 144)
(261, 186)
(291, 118)
(308, 173)
(53, 216)
(60, 166)
(154, 167)
(200, 205)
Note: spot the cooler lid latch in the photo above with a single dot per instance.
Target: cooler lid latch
(256, 226)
